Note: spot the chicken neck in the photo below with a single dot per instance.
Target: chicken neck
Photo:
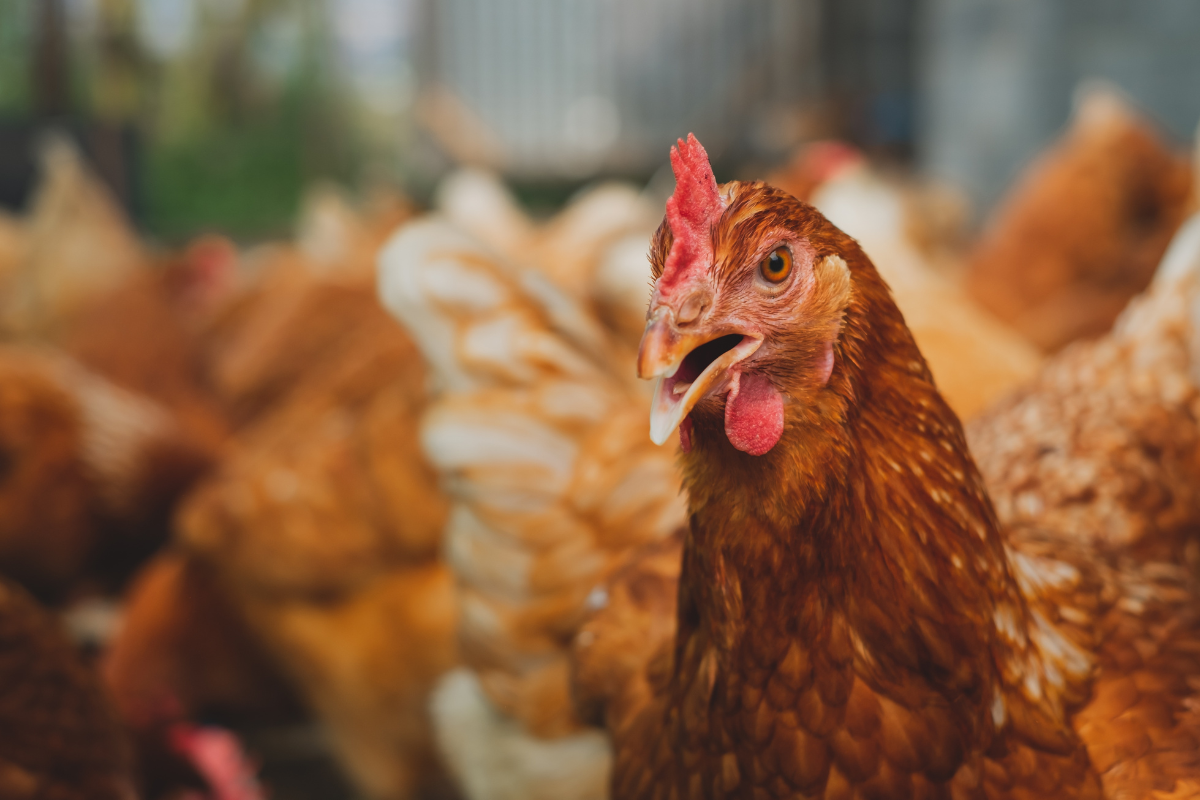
(860, 555)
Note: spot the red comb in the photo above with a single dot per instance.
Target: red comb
(692, 213)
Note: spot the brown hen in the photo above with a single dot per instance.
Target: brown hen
(852, 619)
(89, 473)
(1082, 230)
(322, 526)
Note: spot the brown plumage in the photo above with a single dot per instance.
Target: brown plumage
(852, 620)
(144, 334)
(1083, 228)
(58, 736)
(89, 472)
(323, 525)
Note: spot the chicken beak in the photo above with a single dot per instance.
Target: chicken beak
(663, 350)
(663, 347)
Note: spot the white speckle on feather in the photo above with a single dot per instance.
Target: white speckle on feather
(957, 561)
(1057, 649)
(998, 710)
(1131, 605)
(1033, 684)
(597, 599)
(1006, 622)
(1037, 574)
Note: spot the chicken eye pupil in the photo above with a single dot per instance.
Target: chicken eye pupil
(776, 267)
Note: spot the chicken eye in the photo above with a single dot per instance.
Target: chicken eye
(777, 266)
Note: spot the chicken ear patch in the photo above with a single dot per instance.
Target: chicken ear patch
(753, 414)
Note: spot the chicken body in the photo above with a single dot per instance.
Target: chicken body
(536, 430)
(852, 619)
(74, 245)
(325, 544)
(89, 472)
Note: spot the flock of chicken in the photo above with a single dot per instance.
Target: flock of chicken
(395, 475)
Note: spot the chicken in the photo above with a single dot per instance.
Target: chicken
(813, 165)
(74, 245)
(853, 617)
(1104, 444)
(89, 473)
(302, 311)
(536, 431)
(326, 543)
(182, 652)
(58, 736)
(146, 333)
(585, 250)
(974, 357)
(1084, 226)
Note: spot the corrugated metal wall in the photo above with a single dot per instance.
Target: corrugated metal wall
(564, 88)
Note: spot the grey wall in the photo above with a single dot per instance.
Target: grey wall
(996, 77)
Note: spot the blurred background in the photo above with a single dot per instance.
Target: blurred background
(317, 321)
(216, 113)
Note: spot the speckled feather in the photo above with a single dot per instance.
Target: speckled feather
(58, 736)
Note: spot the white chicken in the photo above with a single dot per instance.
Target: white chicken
(537, 430)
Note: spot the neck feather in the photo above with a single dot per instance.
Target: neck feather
(869, 508)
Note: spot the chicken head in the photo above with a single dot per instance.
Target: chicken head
(747, 308)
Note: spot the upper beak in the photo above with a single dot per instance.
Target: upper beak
(663, 351)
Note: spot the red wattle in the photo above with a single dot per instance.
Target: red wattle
(753, 414)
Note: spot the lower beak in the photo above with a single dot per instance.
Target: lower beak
(677, 392)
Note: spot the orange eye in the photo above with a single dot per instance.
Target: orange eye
(777, 266)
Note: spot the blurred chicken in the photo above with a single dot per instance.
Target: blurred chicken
(814, 164)
(1083, 228)
(182, 652)
(302, 307)
(594, 249)
(326, 542)
(538, 433)
(974, 357)
(75, 244)
(1105, 443)
(58, 736)
(89, 473)
(145, 334)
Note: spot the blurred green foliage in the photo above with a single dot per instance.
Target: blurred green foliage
(239, 110)
(16, 26)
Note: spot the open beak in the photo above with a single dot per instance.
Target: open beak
(688, 367)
